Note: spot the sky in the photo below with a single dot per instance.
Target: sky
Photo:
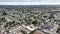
(29, 2)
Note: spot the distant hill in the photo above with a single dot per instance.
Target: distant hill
(24, 6)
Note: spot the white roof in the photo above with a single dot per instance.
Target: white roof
(31, 29)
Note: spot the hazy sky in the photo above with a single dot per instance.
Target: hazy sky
(29, 2)
(19, 0)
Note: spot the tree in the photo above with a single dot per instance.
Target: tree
(34, 22)
(4, 13)
(45, 16)
(9, 23)
(58, 31)
(23, 31)
(2, 19)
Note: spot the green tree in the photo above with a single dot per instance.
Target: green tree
(9, 23)
(34, 22)
(4, 13)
